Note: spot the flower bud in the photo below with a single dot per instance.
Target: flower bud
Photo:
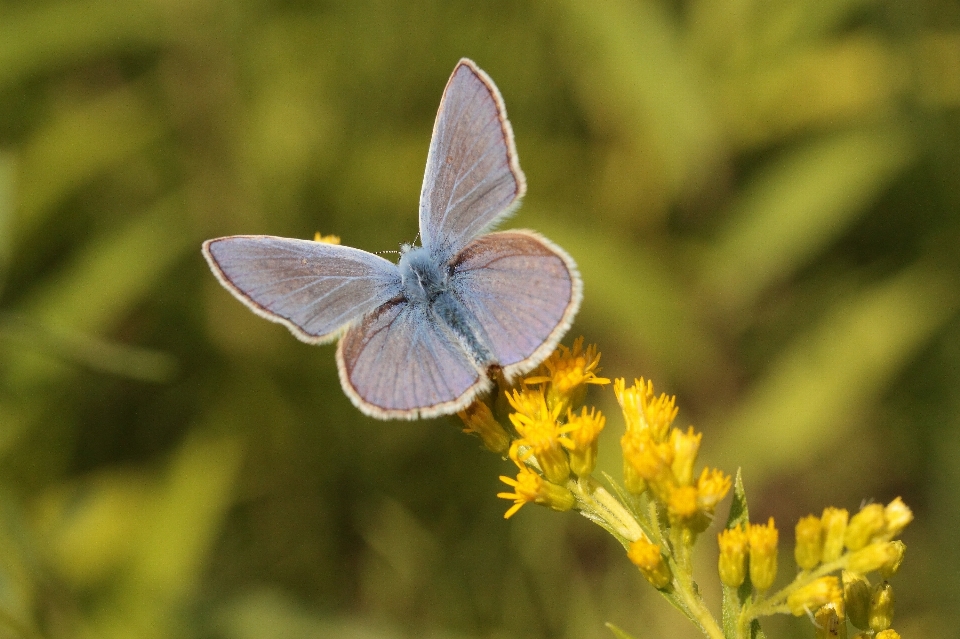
(815, 594)
(685, 449)
(712, 486)
(646, 556)
(809, 548)
(897, 515)
(881, 607)
(856, 594)
(632, 480)
(890, 568)
(874, 557)
(763, 554)
(733, 556)
(864, 526)
(650, 461)
(828, 622)
(581, 439)
(889, 633)
(834, 529)
(478, 419)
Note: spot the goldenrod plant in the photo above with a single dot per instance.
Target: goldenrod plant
(662, 505)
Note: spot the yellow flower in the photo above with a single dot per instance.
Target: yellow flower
(685, 449)
(897, 515)
(643, 411)
(580, 439)
(881, 607)
(809, 542)
(895, 558)
(733, 544)
(567, 372)
(531, 487)
(877, 556)
(712, 486)
(763, 554)
(646, 460)
(828, 621)
(531, 403)
(815, 594)
(856, 597)
(478, 419)
(682, 503)
(834, 530)
(326, 239)
(865, 526)
(539, 434)
(646, 556)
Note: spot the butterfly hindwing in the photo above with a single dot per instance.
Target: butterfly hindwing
(522, 290)
(400, 362)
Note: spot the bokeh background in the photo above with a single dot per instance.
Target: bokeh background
(762, 196)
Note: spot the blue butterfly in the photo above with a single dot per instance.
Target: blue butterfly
(424, 337)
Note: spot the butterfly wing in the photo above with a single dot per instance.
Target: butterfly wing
(523, 291)
(312, 288)
(400, 363)
(473, 177)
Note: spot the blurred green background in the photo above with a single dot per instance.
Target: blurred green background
(762, 196)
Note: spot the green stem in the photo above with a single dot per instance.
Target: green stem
(594, 496)
(687, 594)
(777, 602)
(686, 590)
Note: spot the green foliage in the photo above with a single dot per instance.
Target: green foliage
(762, 197)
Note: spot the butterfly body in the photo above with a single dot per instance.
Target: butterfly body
(421, 337)
(428, 282)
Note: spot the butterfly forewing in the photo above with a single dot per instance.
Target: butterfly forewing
(473, 176)
(401, 363)
(311, 287)
(522, 290)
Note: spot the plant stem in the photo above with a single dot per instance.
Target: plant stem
(687, 594)
(592, 494)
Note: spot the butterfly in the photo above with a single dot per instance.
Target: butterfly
(425, 336)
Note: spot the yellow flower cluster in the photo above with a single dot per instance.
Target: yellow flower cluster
(660, 459)
(665, 503)
(867, 536)
(564, 376)
(553, 442)
(758, 542)
(833, 541)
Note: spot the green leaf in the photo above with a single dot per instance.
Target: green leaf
(735, 598)
(738, 505)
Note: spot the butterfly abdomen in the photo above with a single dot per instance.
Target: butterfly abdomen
(458, 319)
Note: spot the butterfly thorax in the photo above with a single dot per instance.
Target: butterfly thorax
(427, 283)
(423, 279)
